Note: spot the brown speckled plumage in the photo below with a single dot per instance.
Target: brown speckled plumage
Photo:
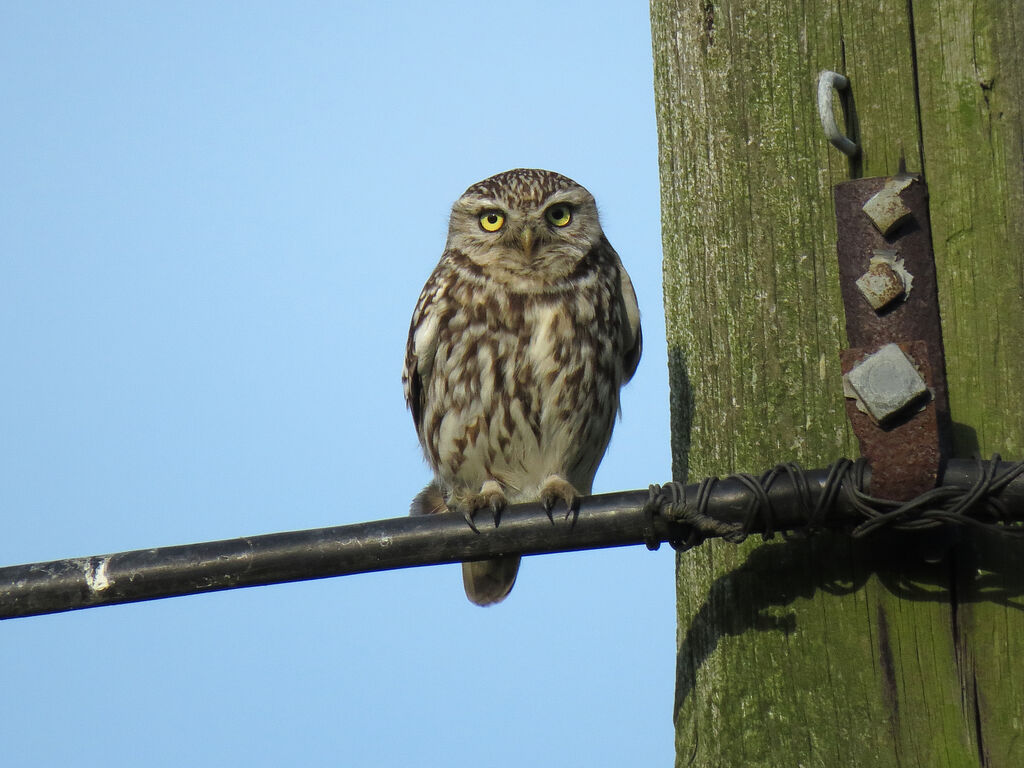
(517, 349)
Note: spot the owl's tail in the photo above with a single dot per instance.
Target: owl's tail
(489, 581)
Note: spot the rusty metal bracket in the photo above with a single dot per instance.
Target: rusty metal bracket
(894, 373)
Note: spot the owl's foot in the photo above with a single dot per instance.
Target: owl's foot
(557, 488)
(469, 504)
(429, 501)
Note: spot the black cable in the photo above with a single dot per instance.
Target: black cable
(786, 498)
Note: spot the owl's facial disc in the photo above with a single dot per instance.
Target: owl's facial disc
(527, 242)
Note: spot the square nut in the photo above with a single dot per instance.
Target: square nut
(880, 285)
(885, 209)
(885, 383)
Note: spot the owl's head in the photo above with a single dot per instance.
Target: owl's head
(526, 227)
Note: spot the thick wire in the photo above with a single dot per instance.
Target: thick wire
(975, 506)
(828, 83)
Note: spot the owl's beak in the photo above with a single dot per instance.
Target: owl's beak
(526, 240)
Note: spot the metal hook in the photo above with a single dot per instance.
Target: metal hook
(828, 82)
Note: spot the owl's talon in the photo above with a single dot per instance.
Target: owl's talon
(557, 489)
(573, 508)
(497, 505)
(548, 503)
(490, 497)
(467, 513)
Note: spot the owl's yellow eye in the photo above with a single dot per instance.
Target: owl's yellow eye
(492, 221)
(559, 214)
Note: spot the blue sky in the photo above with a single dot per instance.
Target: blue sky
(216, 220)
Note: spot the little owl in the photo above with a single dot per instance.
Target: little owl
(519, 343)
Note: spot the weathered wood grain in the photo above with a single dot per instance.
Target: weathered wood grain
(826, 652)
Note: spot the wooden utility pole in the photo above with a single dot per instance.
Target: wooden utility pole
(825, 651)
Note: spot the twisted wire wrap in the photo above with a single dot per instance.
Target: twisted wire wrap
(976, 505)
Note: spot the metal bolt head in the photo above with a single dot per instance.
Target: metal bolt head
(886, 209)
(880, 285)
(885, 383)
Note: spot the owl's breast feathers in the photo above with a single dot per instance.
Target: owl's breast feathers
(520, 385)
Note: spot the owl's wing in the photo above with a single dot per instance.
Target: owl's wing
(421, 346)
(634, 334)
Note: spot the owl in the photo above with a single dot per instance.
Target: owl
(518, 346)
